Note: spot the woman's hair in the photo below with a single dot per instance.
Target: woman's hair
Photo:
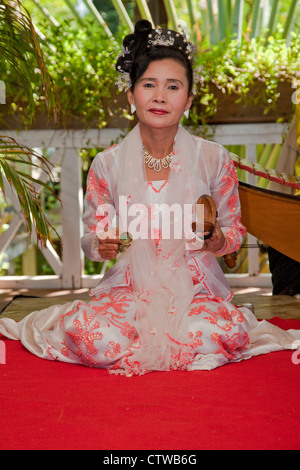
(146, 45)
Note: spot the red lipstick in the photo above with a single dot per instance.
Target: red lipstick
(157, 111)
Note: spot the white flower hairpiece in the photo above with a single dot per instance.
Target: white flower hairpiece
(123, 81)
(198, 78)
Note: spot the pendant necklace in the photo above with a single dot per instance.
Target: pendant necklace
(157, 164)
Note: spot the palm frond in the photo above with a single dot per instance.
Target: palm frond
(18, 42)
(273, 16)
(290, 18)
(171, 14)
(25, 185)
(123, 15)
(144, 10)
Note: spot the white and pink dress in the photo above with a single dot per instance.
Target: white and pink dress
(163, 305)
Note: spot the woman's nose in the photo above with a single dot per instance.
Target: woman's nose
(160, 95)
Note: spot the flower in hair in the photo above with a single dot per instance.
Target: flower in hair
(198, 78)
(123, 81)
(191, 49)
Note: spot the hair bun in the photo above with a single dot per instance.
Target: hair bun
(132, 44)
(143, 26)
(128, 41)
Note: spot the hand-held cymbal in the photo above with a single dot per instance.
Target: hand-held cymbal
(125, 241)
(210, 217)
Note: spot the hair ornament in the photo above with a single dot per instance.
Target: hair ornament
(161, 39)
(123, 81)
(198, 78)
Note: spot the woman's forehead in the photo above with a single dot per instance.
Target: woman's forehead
(170, 68)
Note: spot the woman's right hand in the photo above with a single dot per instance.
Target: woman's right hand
(108, 243)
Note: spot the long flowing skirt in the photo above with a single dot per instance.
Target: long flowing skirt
(101, 333)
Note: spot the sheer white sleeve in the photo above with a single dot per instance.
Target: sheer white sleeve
(224, 190)
(97, 195)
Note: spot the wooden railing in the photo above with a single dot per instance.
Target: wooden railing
(69, 267)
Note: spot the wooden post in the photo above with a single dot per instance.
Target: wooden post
(71, 195)
(253, 253)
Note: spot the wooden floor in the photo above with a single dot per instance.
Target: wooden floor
(265, 305)
(6, 295)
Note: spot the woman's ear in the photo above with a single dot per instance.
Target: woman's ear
(189, 101)
(130, 96)
(131, 101)
(188, 105)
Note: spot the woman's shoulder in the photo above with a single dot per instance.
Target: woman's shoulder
(111, 150)
(209, 148)
(105, 157)
(201, 141)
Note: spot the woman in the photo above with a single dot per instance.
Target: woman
(165, 304)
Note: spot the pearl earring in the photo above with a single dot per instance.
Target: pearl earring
(132, 108)
(186, 113)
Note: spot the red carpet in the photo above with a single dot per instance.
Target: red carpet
(253, 404)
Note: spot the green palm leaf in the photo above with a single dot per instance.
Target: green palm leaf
(25, 185)
(18, 42)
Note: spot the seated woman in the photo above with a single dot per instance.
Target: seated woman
(165, 304)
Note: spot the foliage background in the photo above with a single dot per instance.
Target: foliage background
(234, 57)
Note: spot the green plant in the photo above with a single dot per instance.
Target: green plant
(21, 54)
(81, 64)
(81, 60)
(251, 72)
(12, 158)
(20, 49)
(217, 20)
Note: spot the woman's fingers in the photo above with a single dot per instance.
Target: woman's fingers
(216, 241)
(109, 243)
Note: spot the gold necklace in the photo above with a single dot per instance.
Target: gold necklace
(157, 164)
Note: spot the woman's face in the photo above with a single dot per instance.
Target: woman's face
(161, 94)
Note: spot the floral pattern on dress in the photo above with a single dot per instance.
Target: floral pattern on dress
(91, 322)
(229, 345)
(96, 187)
(85, 332)
(230, 179)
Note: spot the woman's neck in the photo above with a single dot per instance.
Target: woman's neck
(158, 142)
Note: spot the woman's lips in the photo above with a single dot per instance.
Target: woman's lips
(160, 112)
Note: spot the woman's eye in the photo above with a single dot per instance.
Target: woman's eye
(173, 87)
(148, 85)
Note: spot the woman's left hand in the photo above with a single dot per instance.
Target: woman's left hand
(216, 242)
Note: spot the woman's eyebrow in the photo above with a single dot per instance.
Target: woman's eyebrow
(168, 80)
